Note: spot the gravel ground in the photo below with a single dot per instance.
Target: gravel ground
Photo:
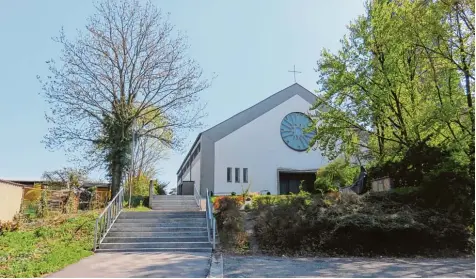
(264, 266)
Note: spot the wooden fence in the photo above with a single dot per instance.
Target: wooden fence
(67, 200)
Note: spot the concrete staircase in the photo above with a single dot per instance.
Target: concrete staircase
(173, 203)
(177, 226)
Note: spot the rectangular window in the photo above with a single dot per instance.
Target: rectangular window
(245, 175)
(237, 175)
(228, 174)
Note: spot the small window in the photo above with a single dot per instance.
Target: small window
(237, 174)
(245, 175)
(228, 174)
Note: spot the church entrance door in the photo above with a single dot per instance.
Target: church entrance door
(289, 182)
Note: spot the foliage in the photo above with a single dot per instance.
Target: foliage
(47, 245)
(418, 162)
(8, 226)
(216, 201)
(233, 193)
(33, 194)
(42, 209)
(160, 187)
(404, 76)
(93, 118)
(338, 173)
(140, 185)
(137, 201)
(230, 223)
(270, 200)
(71, 205)
(359, 226)
(139, 208)
(440, 179)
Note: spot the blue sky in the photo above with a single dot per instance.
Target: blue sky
(250, 45)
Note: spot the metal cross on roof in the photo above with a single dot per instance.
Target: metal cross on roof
(294, 71)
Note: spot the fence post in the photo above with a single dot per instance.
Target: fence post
(151, 192)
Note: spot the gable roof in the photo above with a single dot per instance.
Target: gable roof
(244, 117)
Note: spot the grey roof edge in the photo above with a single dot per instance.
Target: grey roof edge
(189, 152)
(12, 183)
(242, 118)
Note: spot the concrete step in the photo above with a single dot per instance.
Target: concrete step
(162, 214)
(160, 220)
(172, 198)
(181, 204)
(160, 225)
(170, 238)
(131, 245)
(156, 229)
(198, 223)
(174, 207)
(199, 233)
(197, 250)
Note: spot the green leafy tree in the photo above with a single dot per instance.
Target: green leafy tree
(403, 76)
(160, 187)
(338, 173)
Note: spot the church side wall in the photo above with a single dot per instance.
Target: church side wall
(196, 171)
(258, 146)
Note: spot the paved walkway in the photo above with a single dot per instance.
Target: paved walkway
(139, 265)
(258, 266)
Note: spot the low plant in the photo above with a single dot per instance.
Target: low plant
(230, 224)
(47, 245)
(372, 225)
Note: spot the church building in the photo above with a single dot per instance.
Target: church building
(263, 147)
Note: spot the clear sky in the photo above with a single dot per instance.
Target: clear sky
(250, 45)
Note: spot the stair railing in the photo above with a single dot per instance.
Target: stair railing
(211, 221)
(198, 198)
(107, 218)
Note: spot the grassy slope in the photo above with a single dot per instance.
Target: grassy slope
(46, 246)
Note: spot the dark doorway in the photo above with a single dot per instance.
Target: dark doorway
(289, 182)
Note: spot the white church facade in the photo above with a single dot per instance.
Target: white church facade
(263, 148)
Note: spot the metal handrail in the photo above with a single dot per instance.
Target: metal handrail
(107, 218)
(197, 197)
(211, 221)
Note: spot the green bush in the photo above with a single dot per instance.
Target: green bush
(137, 201)
(230, 224)
(338, 173)
(372, 225)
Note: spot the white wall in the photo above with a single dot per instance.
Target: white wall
(258, 146)
(196, 171)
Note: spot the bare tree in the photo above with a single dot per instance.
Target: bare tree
(129, 63)
(65, 178)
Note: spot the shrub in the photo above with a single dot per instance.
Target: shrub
(138, 201)
(230, 223)
(233, 193)
(8, 226)
(358, 226)
(216, 200)
(338, 173)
